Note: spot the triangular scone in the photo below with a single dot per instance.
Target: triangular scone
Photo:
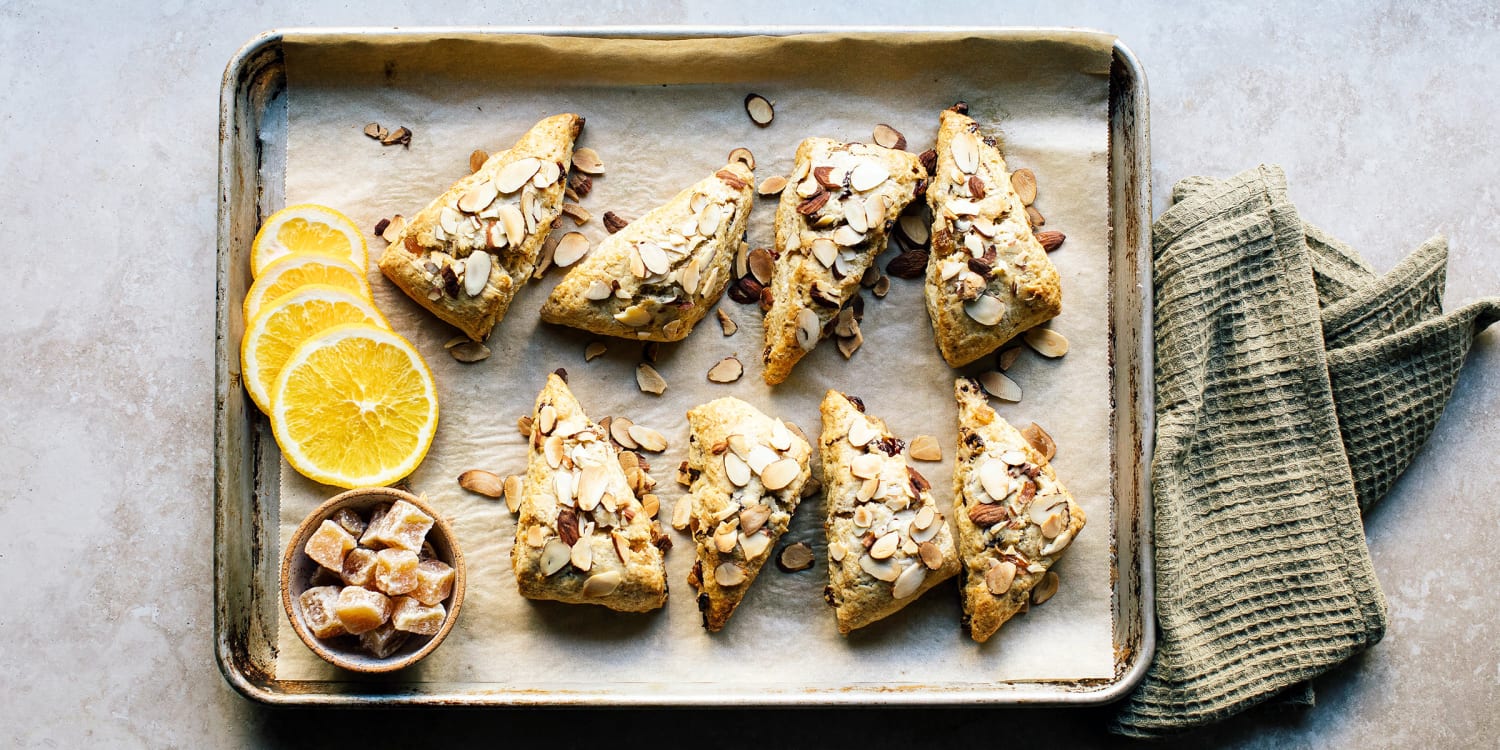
(748, 470)
(581, 535)
(831, 223)
(887, 542)
(656, 278)
(1014, 518)
(988, 278)
(489, 225)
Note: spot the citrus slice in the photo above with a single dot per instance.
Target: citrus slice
(307, 228)
(290, 272)
(355, 407)
(287, 321)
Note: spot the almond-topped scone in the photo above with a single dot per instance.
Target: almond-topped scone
(887, 542)
(1014, 517)
(747, 474)
(468, 252)
(656, 278)
(581, 535)
(988, 278)
(831, 223)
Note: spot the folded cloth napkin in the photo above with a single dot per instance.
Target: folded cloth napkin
(1293, 386)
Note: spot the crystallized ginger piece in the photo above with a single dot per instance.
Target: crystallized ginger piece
(351, 521)
(359, 567)
(395, 571)
(317, 611)
(382, 641)
(328, 545)
(413, 616)
(362, 610)
(404, 526)
(434, 582)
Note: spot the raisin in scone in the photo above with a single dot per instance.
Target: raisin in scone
(988, 278)
(831, 223)
(748, 470)
(1014, 517)
(581, 535)
(887, 542)
(656, 278)
(467, 253)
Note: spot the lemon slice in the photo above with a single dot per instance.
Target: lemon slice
(307, 228)
(290, 272)
(285, 322)
(355, 407)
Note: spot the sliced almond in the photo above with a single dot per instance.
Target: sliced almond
(925, 448)
(866, 466)
(886, 570)
(648, 439)
(593, 350)
(727, 324)
(780, 474)
(727, 370)
(514, 487)
(985, 309)
(729, 574)
(836, 551)
(394, 228)
(889, 137)
(743, 156)
(909, 581)
(592, 483)
(577, 213)
(882, 286)
(854, 214)
(523, 425)
(476, 272)
(654, 258)
(515, 224)
(995, 479)
(547, 175)
(999, 577)
(485, 483)
(809, 329)
(1047, 342)
(634, 316)
(649, 380)
(761, 265)
(1013, 458)
(860, 433)
(848, 345)
(1035, 218)
(726, 537)
(536, 536)
(619, 429)
(1045, 588)
(772, 185)
(739, 444)
(572, 247)
(1040, 440)
(477, 158)
(915, 228)
(736, 470)
(470, 352)
(886, 545)
(868, 175)
(602, 584)
(1024, 181)
(515, 174)
(682, 512)
(848, 236)
(478, 197)
(875, 210)
(374, 130)
(760, 109)
(965, 152)
(753, 518)
(867, 489)
(1007, 358)
(924, 518)
(586, 160)
(825, 250)
(755, 545)
(546, 419)
(795, 557)
(555, 556)
(931, 554)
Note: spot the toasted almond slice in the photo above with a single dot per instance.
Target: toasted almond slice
(515, 174)
(736, 469)
(547, 175)
(739, 444)
(634, 316)
(999, 577)
(619, 429)
(848, 345)
(572, 247)
(650, 440)
(836, 551)
(1013, 458)
(554, 555)
(854, 214)
(649, 380)
(726, 537)
(965, 149)
(486, 483)
(476, 272)
(868, 175)
(1045, 589)
(743, 156)
(985, 309)
(579, 214)
(761, 264)
(809, 330)
(866, 466)
(1007, 358)
(682, 512)
(1024, 182)
(1035, 218)
(478, 197)
(514, 488)
(795, 557)
(889, 137)
(602, 584)
(523, 425)
(755, 545)
(393, 228)
(599, 291)
(915, 228)
(729, 574)
(374, 130)
(753, 518)
(1001, 387)
(860, 433)
(867, 490)
(727, 370)
(910, 580)
(848, 236)
(825, 250)
(760, 109)
(477, 158)
(875, 210)
(995, 479)
(882, 286)
(886, 545)
(925, 448)
(780, 474)
(760, 457)
(886, 570)
(1047, 342)
(515, 224)
(654, 258)
(586, 160)
(727, 323)
(470, 352)
(772, 185)
(781, 436)
(592, 482)
(1040, 440)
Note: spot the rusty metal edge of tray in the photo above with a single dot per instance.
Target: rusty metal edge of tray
(231, 646)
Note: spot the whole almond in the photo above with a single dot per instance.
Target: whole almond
(911, 264)
(1050, 240)
(889, 137)
(613, 222)
(985, 515)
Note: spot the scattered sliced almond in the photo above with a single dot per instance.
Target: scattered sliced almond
(868, 175)
(909, 581)
(594, 349)
(1007, 358)
(737, 471)
(743, 156)
(572, 247)
(477, 159)
(729, 574)
(780, 473)
(848, 345)
(727, 323)
(998, 385)
(761, 265)
(915, 228)
(1034, 217)
(554, 556)
(649, 380)
(374, 130)
(682, 512)
(482, 482)
(889, 137)
(523, 425)
(1045, 588)
(985, 309)
(577, 213)
(1024, 181)
(619, 429)
(471, 351)
(999, 577)
(760, 109)
(398, 137)
(455, 341)
(514, 486)
(772, 185)
(1047, 342)
(882, 286)
(648, 439)
(727, 370)
(586, 160)
(1040, 440)
(602, 584)
(965, 149)
(809, 329)
(393, 228)
(925, 448)
(795, 557)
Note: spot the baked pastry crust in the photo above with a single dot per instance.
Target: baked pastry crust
(823, 246)
(732, 440)
(433, 256)
(897, 520)
(589, 516)
(985, 264)
(691, 239)
(1022, 532)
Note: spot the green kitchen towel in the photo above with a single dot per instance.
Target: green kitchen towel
(1293, 385)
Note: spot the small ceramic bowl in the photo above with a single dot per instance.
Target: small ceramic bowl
(297, 569)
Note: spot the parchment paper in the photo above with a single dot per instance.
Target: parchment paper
(662, 115)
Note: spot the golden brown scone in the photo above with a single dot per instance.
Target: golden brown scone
(490, 223)
(831, 223)
(748, 471)
(581, 535)
(988, 278)
(656, 278)
(887, 542)
(1014, 517)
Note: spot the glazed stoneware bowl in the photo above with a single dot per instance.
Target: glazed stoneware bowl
(297, 570)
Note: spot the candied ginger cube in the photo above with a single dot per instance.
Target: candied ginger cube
(328, 544)
(359, 567)
(317, 611)
(395, 571)
(434, 582)
(350, 520)
(382, 641)
(413, 616)
(361, 609)
(404, 526)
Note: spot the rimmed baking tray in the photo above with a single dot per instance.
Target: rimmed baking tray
(252, 159)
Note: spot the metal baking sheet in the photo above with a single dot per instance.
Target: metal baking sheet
(253, 160)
